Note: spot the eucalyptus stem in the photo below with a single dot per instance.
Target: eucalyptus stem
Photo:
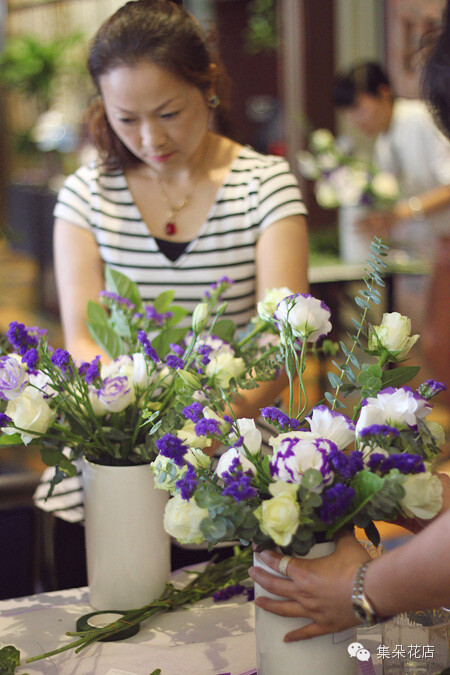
(214, 576)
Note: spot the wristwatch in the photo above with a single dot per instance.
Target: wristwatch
(360, 602)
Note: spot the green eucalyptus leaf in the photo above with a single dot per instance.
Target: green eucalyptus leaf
(11, 439)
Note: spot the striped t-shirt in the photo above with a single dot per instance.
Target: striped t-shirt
(258, 191)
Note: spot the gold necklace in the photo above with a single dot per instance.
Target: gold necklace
(170, 228)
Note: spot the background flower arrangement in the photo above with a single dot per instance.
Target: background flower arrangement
(114, 413)
(342, 179)
(326, 471)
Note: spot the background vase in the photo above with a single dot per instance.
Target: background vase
(127, 548)
(353, 243)
(325, 654)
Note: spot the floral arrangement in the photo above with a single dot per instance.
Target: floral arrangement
(327, 470)
(342, 179)
(116, 413)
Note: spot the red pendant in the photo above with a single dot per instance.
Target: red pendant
(170, 228)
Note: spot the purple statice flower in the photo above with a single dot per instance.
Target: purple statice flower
(228, 592)
(35, 330)
(237, 483)
(193, 412)
(30, 358)
(375, 460)
(339, 463)
(157, 318)
(61, 359)
(406, 463)
(379, 430)
(92, 371)
(335, 501)
(356, 462)
(19, 337)
(431, 388)
(4, 420)
(174, 361)
(250, 593)
(117, 299)
(136, 316)
(172, 447)
(177, 349)
(149, 351)
(204, 351)
(206, 427)
(238, 443)
(187, 483)
(227, 418)
(280, 419)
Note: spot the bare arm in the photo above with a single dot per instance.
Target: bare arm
(380, 222)
(281, 260)
(79, 278)
(416, 575)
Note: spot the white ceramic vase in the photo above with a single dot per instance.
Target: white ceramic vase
(353, 243)
(324, 654)
(127, 548)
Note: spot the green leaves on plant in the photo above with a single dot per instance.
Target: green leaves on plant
(9, 660)
(107, 339)
(399, 376)
(117, 282)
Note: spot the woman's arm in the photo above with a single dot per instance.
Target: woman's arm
(416, 575)
(79, 278)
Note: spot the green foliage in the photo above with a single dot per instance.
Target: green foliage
(9, 660)
(262, 33)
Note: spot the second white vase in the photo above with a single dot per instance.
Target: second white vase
(324, 654)
(127, 548)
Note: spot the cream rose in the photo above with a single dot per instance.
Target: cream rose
(223, 367)
(29, 411)
(182, 520)
(394, 334)
(423, 496)
(272, 298)
(279, 517)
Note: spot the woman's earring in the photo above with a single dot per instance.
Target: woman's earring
(213, 101)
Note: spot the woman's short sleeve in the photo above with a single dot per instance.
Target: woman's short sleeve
(74, 200)
(279, 194)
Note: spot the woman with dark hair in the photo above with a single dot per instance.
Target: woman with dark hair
(335, 592)
(169, 203)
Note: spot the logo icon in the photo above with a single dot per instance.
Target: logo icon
(356, 649)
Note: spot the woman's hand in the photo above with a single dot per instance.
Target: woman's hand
(319, 589)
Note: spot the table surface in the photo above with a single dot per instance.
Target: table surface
(326, 269)
(208, 639)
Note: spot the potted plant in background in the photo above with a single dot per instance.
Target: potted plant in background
(348, 183)
(44, 79)
(116, 416)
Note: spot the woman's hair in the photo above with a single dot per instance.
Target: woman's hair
(436, 76)
(160, 32)
(365, 78)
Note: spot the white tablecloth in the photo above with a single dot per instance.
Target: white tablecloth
(208, 639)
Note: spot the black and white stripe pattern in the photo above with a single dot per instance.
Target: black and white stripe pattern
(258, 191)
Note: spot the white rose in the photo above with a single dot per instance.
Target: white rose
(140, 372)
(228, 457)
(29, 411)
(197, 458)
(123, 365)
(252, 436)
(117, 393)
(279, 517)
(326, 196)
(13, 377)
(272, 298)
(329, 424)
(394, 334)
(423, 496)
(223, 367)
(182, 520)
(307, 316)
(385, 186)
